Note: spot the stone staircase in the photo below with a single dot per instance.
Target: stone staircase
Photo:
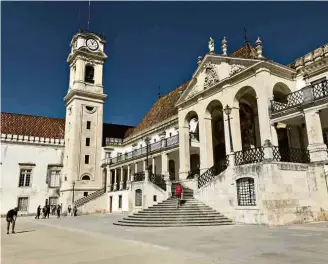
(166, 214)
(78, 203)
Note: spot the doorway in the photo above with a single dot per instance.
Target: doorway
(110, 204)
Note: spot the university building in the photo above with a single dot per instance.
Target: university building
(246, 136)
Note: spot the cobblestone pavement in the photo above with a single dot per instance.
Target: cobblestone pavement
(94, 239)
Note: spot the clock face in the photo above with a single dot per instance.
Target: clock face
(92, 44)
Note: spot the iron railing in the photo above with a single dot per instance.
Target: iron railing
(139, 176)
(164, 144)
(307, 94)
(291, 155)
(158, 179)
(248, 156)
(212, 172)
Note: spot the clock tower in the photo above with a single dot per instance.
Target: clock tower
(84, 118)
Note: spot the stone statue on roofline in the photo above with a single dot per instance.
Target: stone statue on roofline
(211, 45)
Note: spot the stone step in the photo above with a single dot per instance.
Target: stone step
(174, 218)
(181, 209)
(173, 213)
(189, 221)
(171, 224)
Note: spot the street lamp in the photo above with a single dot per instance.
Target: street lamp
(227, 111)
(73, 192)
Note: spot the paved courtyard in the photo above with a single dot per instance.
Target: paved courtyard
(94, 239)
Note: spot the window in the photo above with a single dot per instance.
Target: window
(170, 134)
(85, 194)
(54, 178)
(246, 192)
(25, 177)
(88, 124)
(86, 159)
(89, 74)
(107, 155)
(22, 203)
(155, 198)
(87, 142)
(119, 201)
(85, 178)
(53, 201)
(138, 197)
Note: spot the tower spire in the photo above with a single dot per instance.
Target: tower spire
(89, 16)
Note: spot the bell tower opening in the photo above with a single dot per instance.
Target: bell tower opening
(89, 74)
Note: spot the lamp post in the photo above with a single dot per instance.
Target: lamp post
(73, 192)
(227, 111)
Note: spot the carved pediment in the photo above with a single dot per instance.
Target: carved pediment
(211, 75)
(235, 68)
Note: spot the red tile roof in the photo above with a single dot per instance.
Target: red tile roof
(246, 52)
(47, 127)
(28, 125)
(163, 109)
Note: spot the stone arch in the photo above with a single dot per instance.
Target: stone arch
(214, 111)
(280, 92)
(246, 100)
(89, 72)
(191, 121)
(85, 177)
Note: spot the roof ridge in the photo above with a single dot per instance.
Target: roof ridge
(20, 114)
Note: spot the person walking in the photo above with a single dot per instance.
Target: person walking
(44, 211)
(69, 210)
(58, 211)
(11, 219)
(48, 211)
(38, 212)
(75, 210)
(178, 194)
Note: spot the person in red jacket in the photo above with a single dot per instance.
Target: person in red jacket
(178, 193)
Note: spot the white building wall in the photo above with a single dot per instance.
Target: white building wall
(14, 153)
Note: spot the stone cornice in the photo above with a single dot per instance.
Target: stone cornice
(40, 141)
(83, 53)
(98, 98)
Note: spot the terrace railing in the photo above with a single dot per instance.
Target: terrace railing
(164, 144)
(139, 176)
(158, 179)
(291, 155)
(212, 172)
(309, 94)
(249, 156)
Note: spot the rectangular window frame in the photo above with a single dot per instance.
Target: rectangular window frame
(22, 167)
(54, 178)
(86, 159)
(53, 198)
(87, 141)
(27, 203)
(88, 125)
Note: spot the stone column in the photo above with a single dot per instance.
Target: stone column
(163, 141)
(122, 178)
(316, 147)
(144, 165)
(263, 104)
(115, 180)
(129, 181)
(206, 144)
(107, 181)
(153, 165)
(184, 149)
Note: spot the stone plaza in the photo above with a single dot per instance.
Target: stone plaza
(94, 239)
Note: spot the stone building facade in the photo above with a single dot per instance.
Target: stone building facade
(247, 134)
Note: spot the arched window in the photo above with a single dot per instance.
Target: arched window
(138, 198)
(85, 178)
(89, 74)
(246, 192)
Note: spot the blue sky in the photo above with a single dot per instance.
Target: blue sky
(149, 44)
